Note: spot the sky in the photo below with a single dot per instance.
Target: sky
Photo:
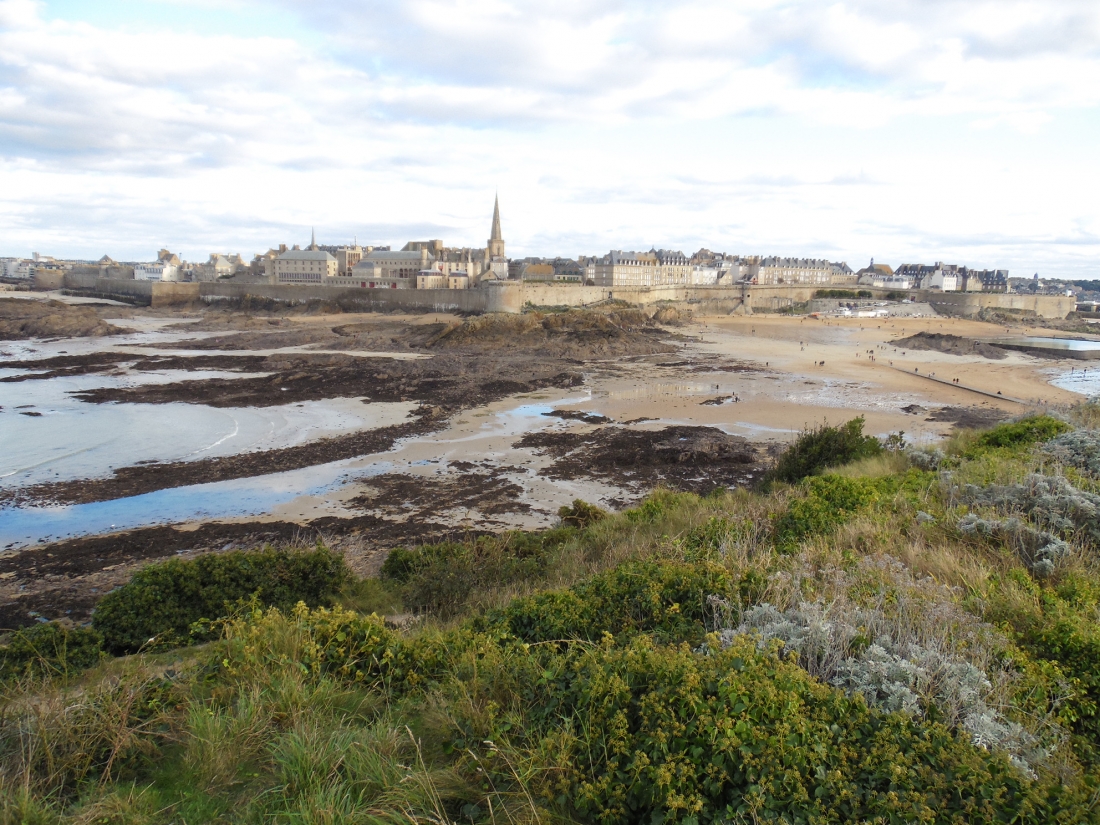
(911, 131)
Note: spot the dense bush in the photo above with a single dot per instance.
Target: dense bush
(1022, 433)
(49, 649)
(162, 601)
(641, 733)
(667, 599)
(900, 670)
(1068, 634)
(823, 447)
(326, 642)
(627, 730)
(829, 502)
(860, 651)
(441, 579)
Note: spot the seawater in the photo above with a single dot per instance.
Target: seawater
(71, 439)
(1068, 344)
(21, 526)
(1083, 380)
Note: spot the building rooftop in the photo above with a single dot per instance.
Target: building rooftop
(382, 255)
(305, 255)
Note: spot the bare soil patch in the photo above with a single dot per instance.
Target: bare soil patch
(694, 459)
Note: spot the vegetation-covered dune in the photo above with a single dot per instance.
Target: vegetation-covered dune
(880, 635)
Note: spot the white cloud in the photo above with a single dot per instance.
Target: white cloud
(864, 127)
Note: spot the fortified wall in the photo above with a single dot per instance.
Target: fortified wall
(968, 304)
(514, 296)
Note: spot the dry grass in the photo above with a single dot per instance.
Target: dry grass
(879, 466)
(54, 737)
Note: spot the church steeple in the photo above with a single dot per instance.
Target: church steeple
(495, 246)
(313, 238)
(496, 236)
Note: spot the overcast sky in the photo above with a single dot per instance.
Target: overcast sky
(907, 130)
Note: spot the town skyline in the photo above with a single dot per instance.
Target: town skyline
(196, 253)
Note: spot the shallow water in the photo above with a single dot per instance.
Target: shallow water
(221, 499)
(71, 439)
(1080, 380)
(1067, 344)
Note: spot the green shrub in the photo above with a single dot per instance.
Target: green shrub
(1023, 433)
(664, 598)
(326, 641)
(829, 502)
(442, 579)
(49, 649)
(645, 734)
(1070, 636)
(163, 600)
(823, 447)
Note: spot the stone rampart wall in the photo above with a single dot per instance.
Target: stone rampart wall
(513, 296)
(971, 303)
(500, 298)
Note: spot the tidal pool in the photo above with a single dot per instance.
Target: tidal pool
(1066, 344)
(1083, 380)
(21, 526)
(47, 435)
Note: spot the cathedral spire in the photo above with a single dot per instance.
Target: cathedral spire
(313, 238)
(494, 248)
(496, 236)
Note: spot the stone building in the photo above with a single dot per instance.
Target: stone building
(777, 270)
(304, 266)
(873, 274)
(939, 276)
(673, 267)
(383, 265)
(983, 280)
(347, 257)
(619, 268)
(220, 265)
(166, 268)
